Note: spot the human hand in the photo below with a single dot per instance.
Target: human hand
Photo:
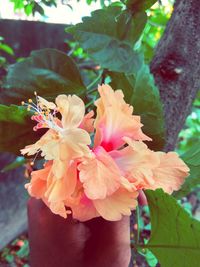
(58, 242)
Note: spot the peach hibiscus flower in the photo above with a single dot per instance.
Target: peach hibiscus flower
(64, 140)
(101, 179)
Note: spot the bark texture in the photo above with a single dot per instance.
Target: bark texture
(176, 66)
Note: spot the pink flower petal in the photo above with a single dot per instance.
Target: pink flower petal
(115, 120)
(100, 176)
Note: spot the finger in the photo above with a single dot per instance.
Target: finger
(54, 241)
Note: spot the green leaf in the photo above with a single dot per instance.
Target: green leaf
(139, 5)
(6, 48)
(13, 113)
(141, 92)
(9, 258)
(28, 9)
(23, 252)
(37, 8)
(18, 162)
(192, 159)
(18, 4)
(175, 235)
(15, 129)
(48, 71)
(110, 40)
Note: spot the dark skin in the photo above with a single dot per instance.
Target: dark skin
(58, 242)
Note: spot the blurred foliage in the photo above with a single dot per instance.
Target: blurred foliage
(190, 133)
(5, 49)
(158, 17)
(192, 159)
(16, 254)
(30, 7)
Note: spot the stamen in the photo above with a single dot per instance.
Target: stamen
(33, 161)
(44, 113)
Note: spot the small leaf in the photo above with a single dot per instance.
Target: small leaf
(19, 161)
(15, 129)
(48, 71)
(6, 48)
(37, 8)
(9, 258)
(150, 258)
(28, 9)
(141, 92)
(192, 159)
(23, 252)
(175, 235)
(110, 40)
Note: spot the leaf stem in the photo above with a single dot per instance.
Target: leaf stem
(90, 88)
(138, 224)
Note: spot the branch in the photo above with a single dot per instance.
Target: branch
(176, 66)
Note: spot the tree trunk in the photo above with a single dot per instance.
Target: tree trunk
(176, 66)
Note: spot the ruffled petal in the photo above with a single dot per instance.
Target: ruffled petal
(72, 110)
(61, 181)
(48, 145)
(75, 143)
(36, 188)
(38, 183)
(100, 176)
(120, 203)
(136, 162)
(115, 120)
(57, 208)
(84, 210)
(171, 172)
(88, 122)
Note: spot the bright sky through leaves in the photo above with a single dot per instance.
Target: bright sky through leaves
(62, 14)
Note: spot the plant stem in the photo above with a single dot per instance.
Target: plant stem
(90, 88)
(138, 224)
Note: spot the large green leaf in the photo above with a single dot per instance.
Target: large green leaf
(109, 36)
(15, 128)
(175, 235)
(192, 159)
(141, 92)
(48, 71)
(139, 5)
